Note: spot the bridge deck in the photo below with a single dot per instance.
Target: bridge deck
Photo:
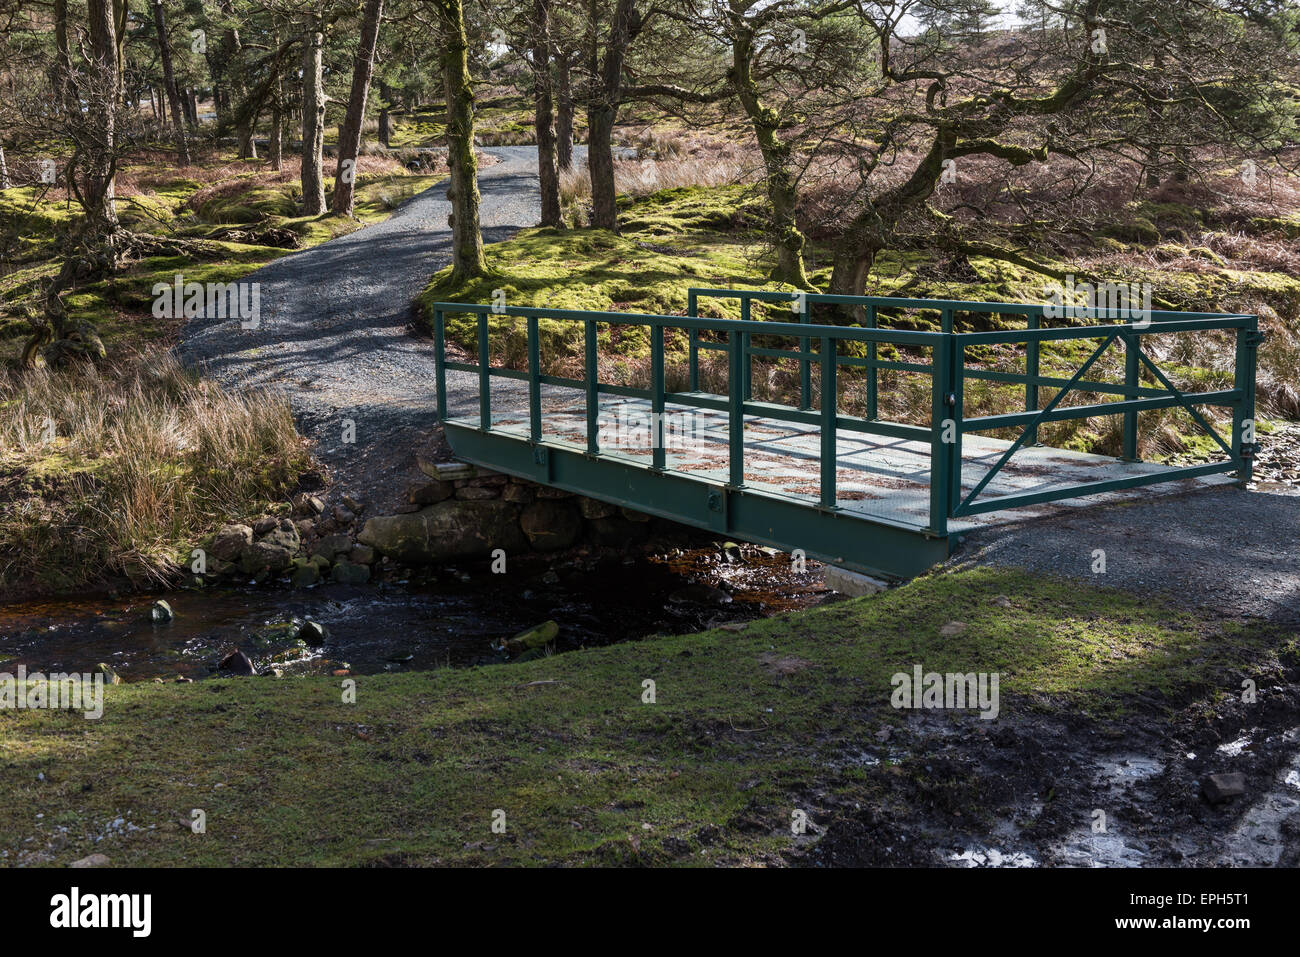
(877, 477)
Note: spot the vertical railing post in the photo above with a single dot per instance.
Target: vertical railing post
(657, 451)
(940, 451)
(534, 382)
(1031, 373)
(872, 372)
(1243, 414)
(746, 313)
(484, 375)
(1132, 346)
(590, 360)
(693, 343)
(956, 411)
(735, 410)
(805, 362)
(439, 362)
(830, 403)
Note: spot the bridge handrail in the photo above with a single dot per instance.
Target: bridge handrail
(946, 366)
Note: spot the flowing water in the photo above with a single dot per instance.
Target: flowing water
(456, 620)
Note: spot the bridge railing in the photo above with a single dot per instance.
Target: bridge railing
(821, 345)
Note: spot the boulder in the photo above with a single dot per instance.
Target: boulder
(362, 555)
(305, 575)
(537, 637)
(265, 556)
(284, 534)
(551, 524)
(305, 504)
(449, 530)
(313, 634)
(1218, 788)
(161, 611)
(331, 546)
(230, 542)
(236, 663)
(346, 573)
(267, 523)
(431, 494)
(520, 494)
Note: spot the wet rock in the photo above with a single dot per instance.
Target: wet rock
(1218, 788)
(431, 494)
(594, 508)
(230, 542)
(305, 527)
(161, 611)
(321, 562)
(305, 504)
(533, 639)
(343, 515)
(331, 546)
(446, 531)
(313, 634)
(699, 594)
(362, 555)
(267, 523)
(346, 573)
(353, 505)
(850, 583)
(551, 524)
(93, 860)
(236, 663)
(305, 575)
(110, 676)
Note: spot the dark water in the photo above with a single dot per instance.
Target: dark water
(456, 620)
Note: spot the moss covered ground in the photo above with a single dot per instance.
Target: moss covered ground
(744, 726)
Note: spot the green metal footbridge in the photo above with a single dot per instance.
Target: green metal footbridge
(816, 463)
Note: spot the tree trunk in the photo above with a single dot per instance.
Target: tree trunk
(602, 111)
(363, 67)
(4, 169)
(276, 148)
(782, 193)
(385, 120)
(466, 240)
(100, 162)
(564, 114)
(313, 124)
(169, 82)
(547, 173)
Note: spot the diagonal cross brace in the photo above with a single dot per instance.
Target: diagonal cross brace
(1032, 426)
(1182, 400)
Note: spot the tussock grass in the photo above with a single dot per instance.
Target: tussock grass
(119, 471)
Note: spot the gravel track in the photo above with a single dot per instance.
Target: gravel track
(334, 333)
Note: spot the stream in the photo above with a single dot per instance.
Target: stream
(449, 617)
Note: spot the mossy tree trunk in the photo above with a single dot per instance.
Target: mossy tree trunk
(563, 113)
(602, 107)
(467, 259)
(782, 191)
(363, 67)
(544, 114)
(313, 122)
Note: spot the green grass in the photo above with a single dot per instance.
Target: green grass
(743, 730)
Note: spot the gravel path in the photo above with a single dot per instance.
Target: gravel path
(1228, 550)
(334, 330)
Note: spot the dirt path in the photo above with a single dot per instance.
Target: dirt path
(334, 331)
